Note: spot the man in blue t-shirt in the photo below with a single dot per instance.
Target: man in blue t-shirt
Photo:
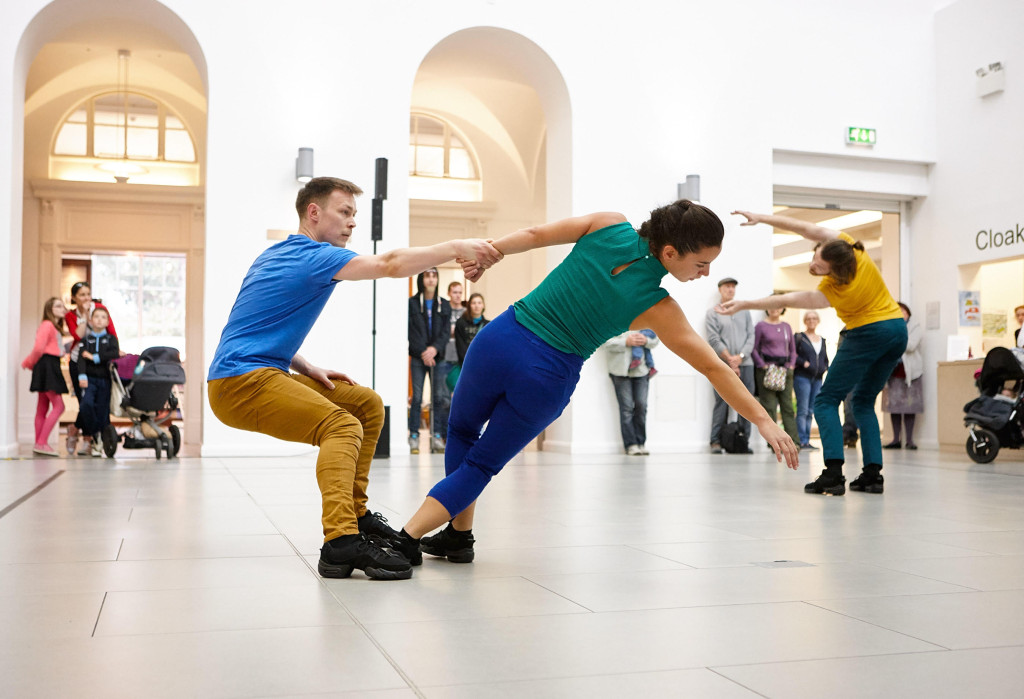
(251, 385)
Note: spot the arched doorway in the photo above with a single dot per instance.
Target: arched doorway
(502, 99)
(76, 215)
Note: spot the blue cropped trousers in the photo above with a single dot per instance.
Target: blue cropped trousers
(512, 386)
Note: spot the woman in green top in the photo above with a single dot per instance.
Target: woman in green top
(524, 366)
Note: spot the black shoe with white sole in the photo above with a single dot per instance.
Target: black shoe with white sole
(826, 484)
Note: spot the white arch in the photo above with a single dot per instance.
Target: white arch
(502, 52)
(59, 20)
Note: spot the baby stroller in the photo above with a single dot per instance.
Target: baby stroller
(996, 417)
(148, 399)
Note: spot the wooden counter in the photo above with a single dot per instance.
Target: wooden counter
(956, 388)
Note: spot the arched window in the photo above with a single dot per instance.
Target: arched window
(127, 134)
(441, 164)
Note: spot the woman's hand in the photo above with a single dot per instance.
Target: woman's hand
(781, 443)
(752, 218)
(728, 308)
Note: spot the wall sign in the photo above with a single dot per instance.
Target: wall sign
(860, 136)
(970, 309)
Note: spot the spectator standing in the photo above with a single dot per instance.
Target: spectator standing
(811, 365)
(774, 345)
(1018, 336)
(469, 324)
(903, 396)
(78, 325)
(99, 348)
(429, 329)
(631, 382)
(732, 338)
(47, 377)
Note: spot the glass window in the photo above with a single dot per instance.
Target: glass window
(146, 297)
(72, 139)
(436, 151)
(105, 117)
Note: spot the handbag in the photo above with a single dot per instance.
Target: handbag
(774, 377)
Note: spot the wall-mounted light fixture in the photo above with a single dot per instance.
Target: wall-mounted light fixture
(689, 189)
(304, 165)
(991, 79)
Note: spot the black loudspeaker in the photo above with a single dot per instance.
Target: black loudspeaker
(377, 220)
(381, 189)
(384, 442)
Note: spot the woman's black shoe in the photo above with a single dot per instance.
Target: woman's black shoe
(912, 447)
(893, 445)
(827, 485)
(450, 543)
(868, 483)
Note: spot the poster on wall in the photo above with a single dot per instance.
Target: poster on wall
(993, 323)
(970, 309)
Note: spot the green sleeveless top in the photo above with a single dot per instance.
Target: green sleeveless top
(581, 304)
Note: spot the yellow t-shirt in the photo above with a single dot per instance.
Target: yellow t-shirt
(865, 299)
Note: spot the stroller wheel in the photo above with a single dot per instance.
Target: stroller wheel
(982, 445)
(175, 440)
(110, 439)
(157, 444)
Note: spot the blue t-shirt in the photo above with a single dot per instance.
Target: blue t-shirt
(281, 297)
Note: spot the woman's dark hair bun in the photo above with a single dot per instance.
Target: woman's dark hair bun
(685, 225)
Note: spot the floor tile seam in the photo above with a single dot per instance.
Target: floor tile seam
(878, 564)
(291, 627)
(876, 625)
(736, 682)
(661, 557)
(99, 613)
(10, 508)
(355, 620)
(860, 656)
(971, 548)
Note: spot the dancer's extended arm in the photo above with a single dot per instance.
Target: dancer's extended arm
(806, 229)
(666, 319)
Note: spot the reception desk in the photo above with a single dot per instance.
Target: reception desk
(956, 388)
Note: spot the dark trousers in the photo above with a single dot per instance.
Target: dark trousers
(441, 399)
(861, 366)
(73, 372)
(631, 393)
(94, 410)
(720, 414)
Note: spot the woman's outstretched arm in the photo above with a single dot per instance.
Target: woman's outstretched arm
(667, 320)
(793, 299)
(806, 229)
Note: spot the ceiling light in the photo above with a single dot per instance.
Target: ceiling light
(857, 218)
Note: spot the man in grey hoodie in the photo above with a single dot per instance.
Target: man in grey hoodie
(732, 338)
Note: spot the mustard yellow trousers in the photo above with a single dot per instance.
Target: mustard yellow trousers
(345, 422)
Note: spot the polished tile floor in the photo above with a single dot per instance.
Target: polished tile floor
(669, 575)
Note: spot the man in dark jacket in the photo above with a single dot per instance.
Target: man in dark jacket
(429, 328)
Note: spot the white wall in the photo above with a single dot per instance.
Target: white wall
(977, 179)
(664, 90)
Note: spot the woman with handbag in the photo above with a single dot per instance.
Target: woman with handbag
(876, 337)
(774, 356)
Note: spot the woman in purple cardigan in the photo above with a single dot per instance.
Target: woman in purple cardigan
(774, 344)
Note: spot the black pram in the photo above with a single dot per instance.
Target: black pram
(996, 417)
(148, 399)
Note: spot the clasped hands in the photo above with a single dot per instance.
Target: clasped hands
(476, 257)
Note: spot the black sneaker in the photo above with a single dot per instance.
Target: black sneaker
(448, 543)
(408, 547)
(868, 483)
(376, 524)
(378, 562)
(827, 485)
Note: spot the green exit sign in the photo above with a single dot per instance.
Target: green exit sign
(860, 136)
